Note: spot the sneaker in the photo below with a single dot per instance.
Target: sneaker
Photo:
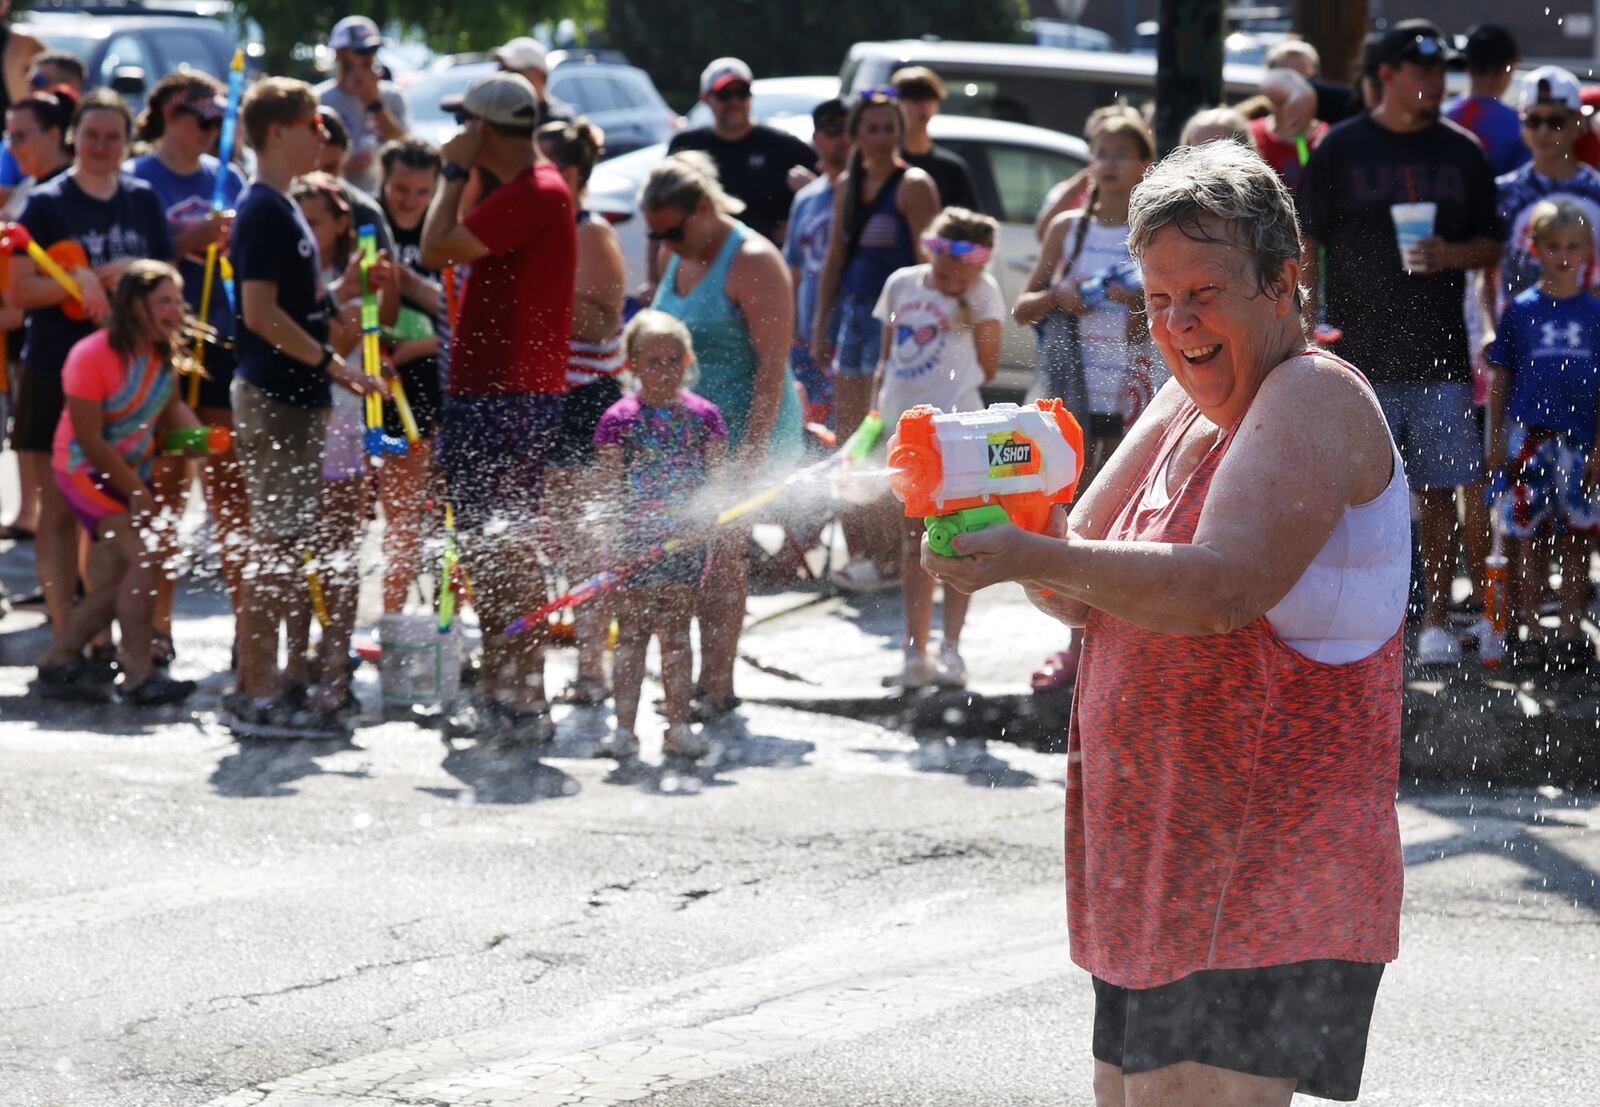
(1490, 646)
(467, 716)
(586, 691)
(1437, 646)
(619, 745)
(522, 726)
(952, 670)
(861, 576)
(156, 690)
(917, 672)
(681, 741)
(706, 708)
(70, 680)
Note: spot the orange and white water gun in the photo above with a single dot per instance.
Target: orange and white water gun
(963, 471)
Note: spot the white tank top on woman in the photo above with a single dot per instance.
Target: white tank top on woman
(1352, 597)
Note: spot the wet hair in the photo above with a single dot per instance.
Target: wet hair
(333, 124)
(1117, 121)
(574, 145)
(62, 59)
(177, 85)
(1550, 216)
(1231, 184)
(1229, 119)
(961, 225)
(326, 187)
(52, 109)
(274, 102)
(873, 98)
(682, 181)
(651, 323)
(409, 152)
(103, 99)
(1279, 53)
(125, 331)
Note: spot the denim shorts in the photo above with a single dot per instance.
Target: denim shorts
(1436, 431)
(492, 451)
(860, 336)
(818, 385)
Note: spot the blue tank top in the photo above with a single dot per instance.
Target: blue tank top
(724, 354)
(883, 245)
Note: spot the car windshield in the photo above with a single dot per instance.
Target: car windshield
(425, 93)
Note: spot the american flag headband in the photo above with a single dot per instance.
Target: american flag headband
(958, 248)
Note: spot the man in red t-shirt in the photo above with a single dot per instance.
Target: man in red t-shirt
(508, 364)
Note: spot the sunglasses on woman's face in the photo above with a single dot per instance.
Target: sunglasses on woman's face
(206, 123)
(671, 234)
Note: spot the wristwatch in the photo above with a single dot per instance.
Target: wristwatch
(453, 172)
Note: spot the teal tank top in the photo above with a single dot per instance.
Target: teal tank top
(723, 351)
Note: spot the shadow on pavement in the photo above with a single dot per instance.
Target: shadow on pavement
(94, 717)
(264, 768)
(1551, 870)
(732, 747)
(502, 774)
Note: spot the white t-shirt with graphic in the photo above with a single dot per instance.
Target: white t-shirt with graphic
(932, 359)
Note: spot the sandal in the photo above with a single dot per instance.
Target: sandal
(162, 653)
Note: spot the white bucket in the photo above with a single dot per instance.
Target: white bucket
(419, 667)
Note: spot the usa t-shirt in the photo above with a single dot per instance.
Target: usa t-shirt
(186, 199)
(129, 225)
(932, 357)
(806, 249)
(271, 242)
(515, 329)
(1398, 327)
(1516, 194)
(1551, 348)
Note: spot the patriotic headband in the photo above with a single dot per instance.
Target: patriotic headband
(958, 248)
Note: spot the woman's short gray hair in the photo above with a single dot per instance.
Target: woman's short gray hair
(1232, 185)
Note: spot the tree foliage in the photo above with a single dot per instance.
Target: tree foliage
(448, 27)
(674, 39)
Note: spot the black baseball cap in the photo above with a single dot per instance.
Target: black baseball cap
(1413, 40)
(829, 111)
(1490, 48)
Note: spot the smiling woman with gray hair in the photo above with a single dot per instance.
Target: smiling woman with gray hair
(1233, 857)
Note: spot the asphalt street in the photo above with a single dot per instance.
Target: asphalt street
(827, 912)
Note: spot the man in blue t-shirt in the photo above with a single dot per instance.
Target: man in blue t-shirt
(806, 248)
(1492, 56)
(288, 362)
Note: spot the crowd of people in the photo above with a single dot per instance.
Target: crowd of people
(554, 409)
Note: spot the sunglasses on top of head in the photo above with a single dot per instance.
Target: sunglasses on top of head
(1424, 50)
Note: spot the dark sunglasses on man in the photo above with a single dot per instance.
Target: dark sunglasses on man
(831, 130)
(1536, 121)
(732, 92)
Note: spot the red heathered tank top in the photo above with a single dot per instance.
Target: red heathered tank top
(1230, 802)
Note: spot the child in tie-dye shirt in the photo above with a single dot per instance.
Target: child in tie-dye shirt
(658, 447)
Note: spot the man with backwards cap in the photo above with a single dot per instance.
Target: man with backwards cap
(526, 56)
(372, 109)
(1406, 328)
(752, 159)
(508, 373)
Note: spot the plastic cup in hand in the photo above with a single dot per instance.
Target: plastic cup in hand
(1412, 223)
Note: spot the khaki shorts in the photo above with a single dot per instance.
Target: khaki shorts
(279, 447)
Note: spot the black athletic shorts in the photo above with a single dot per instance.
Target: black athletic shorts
(216, 386)
(1307, 1021)
(39, 405)
(420, 379)
(580, 415)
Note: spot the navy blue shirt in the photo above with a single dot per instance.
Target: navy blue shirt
(1551, 348)
(271, 242)
(187, 201)
(129, 225)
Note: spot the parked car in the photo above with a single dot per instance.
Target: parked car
(1013, 167)
(1040, 85)
(619, 98)
(131, 52)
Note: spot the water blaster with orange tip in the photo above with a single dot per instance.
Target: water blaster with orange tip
(963, 471)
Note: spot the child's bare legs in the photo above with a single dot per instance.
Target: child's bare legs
(916, 588)
(633, 639)
(1572, 555)
(223, 486)
(403, 485)
(342, 523)
(671, 609)
(721, 608)
(55, 550)
(169, 487)
(122, 578)
(1532, 556)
